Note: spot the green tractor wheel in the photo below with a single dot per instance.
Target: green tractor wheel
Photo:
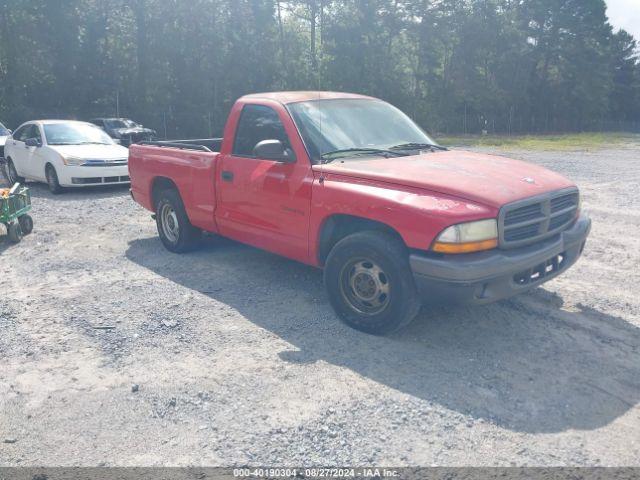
(26, 224)
(14, 231)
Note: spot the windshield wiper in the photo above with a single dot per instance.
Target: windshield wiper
(416, 146)
(330, 156)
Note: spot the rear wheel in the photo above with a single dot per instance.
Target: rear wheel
(12, 173)
(52, 180)
(14, 232)
(26, 224)
(174, 228)
(369, 282)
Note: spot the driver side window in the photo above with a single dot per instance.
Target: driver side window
(258, 123)
(22, 133)
(35, 133)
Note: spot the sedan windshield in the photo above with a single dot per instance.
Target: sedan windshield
(356, 127)
(75, 134)
(3, 130)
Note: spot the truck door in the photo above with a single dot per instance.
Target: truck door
(265, 203)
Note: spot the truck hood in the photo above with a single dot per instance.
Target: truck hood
(93, 152)
(487, 179)
(3, 140)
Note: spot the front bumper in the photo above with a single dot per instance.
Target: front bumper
(79, 176)
(486, 277)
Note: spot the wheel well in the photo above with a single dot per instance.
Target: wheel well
(337, 227)
(161, 184)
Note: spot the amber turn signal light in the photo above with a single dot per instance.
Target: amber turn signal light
(468, 247)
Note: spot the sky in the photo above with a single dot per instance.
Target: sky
(625, 14)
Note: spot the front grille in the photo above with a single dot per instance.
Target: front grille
(97, 180)
(534, 219)
(127, 140)
(106, 163)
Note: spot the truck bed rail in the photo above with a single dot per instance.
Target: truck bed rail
(184, 145)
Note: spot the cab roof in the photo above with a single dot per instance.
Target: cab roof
(303, 96)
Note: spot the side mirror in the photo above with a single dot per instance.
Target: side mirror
(32, 142)
(274, 150)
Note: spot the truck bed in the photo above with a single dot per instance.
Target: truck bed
(188, 164)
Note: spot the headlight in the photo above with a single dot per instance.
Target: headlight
(468, 237)
(73, 161)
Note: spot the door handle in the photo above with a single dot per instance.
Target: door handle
(227, 176)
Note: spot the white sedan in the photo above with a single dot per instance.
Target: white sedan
(65, 153)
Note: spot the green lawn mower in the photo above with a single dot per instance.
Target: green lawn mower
(14, 205)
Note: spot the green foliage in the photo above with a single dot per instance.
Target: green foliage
(575, 141)
(454, 65)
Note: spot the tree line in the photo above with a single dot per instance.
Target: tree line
(455, 66)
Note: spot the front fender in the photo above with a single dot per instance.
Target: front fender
(417, 215)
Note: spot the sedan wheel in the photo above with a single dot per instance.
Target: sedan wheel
(12, 173)
(52, 180)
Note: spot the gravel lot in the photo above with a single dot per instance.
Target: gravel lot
(231, 355)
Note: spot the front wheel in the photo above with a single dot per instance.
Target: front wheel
(174, 228)
(12, 173)
(369, 282)
(52, 180)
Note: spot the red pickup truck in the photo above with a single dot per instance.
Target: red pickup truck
(350, 184)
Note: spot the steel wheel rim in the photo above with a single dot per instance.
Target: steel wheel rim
(365, 286)
(169, 222)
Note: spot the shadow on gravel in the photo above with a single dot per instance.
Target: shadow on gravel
(5, 244)
(40, 190)
(525, 365)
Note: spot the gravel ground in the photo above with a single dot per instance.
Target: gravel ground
(116, 352)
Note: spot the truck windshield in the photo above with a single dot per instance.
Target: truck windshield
(3, 130)
(329, 127)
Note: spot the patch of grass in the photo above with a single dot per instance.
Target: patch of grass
(578, 141)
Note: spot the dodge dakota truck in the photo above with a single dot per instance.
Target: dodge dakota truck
(350, 184)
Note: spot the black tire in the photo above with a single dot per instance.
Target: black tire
(52, 179)
(12, 173)
(14, 232)
(380, 261)
(174, 228)
(26, 224)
